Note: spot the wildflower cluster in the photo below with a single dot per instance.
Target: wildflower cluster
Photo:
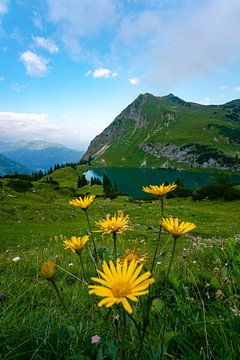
(120, 279)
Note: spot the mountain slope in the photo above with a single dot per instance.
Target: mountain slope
(38, 155)
(8, 166)
(170, 132)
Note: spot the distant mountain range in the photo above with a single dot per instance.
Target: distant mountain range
(168, 132)
(34, 156)
(8, 166)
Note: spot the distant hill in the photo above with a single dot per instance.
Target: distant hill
(8, 166)
(39, 155)
(169, 132)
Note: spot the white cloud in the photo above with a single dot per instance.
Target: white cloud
(134, 29)
(133, 81)
(18, 126)
(35, 65)
(46, 44)
(32, 126)
(237, 90)
(23, 122)
(79, 19)
(104, 73)
(18, 87)
(195, 40)
(4, 4)
(1, 78)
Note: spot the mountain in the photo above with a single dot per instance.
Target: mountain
(8, 166)
(39, 155)
(169, 132)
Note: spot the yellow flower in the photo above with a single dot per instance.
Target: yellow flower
(120, 283)
(175, 228)
(48, 269)
(161, 190)
(76, 243)
(133, 254)
(115, 224)
(84, 202)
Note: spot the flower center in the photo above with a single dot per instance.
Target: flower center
(121, 289)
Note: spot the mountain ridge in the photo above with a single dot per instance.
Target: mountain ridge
(172, 133)
(8, 166)
(39, 155)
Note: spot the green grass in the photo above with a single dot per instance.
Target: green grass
(200, 325)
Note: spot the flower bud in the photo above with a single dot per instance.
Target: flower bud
(48, 269)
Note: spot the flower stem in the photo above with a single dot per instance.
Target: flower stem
(158, 238)
(81, 261)
(165, 302)
(65, 308)
(123, 333)
(115, 244)
(90, 229)
(171, 260)
(148, 305)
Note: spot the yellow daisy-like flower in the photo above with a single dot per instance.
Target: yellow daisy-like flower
(161, 190)
(48, 269)
(115, 224)
(76, 243)
(133, 254)
(120, 283)
(175, 227)
(84, 202)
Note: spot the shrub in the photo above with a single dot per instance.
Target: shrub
(20, 185)
(217, 191)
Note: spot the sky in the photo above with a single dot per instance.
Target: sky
(69, 67)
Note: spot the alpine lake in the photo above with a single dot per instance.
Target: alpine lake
(131, 180)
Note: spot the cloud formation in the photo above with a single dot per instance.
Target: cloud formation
(237, 90)
(208, 40)
(23, 121)
(30, 126)
(46, 44)
(35, 65)
(133, 81)
(79, 19)
(4, 4)
(139, 29)
(103, 73)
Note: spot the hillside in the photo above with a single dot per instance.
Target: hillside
(169, 132)
(38, 155)
(8, 166)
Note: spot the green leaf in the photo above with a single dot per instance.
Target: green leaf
(157, 305)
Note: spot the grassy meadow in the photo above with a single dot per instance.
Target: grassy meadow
(194, 313)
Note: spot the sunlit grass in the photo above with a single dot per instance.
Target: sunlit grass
(203, 286)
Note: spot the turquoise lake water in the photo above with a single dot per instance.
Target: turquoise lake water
(131, 180)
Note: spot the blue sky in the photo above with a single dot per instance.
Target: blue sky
(69, 67)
